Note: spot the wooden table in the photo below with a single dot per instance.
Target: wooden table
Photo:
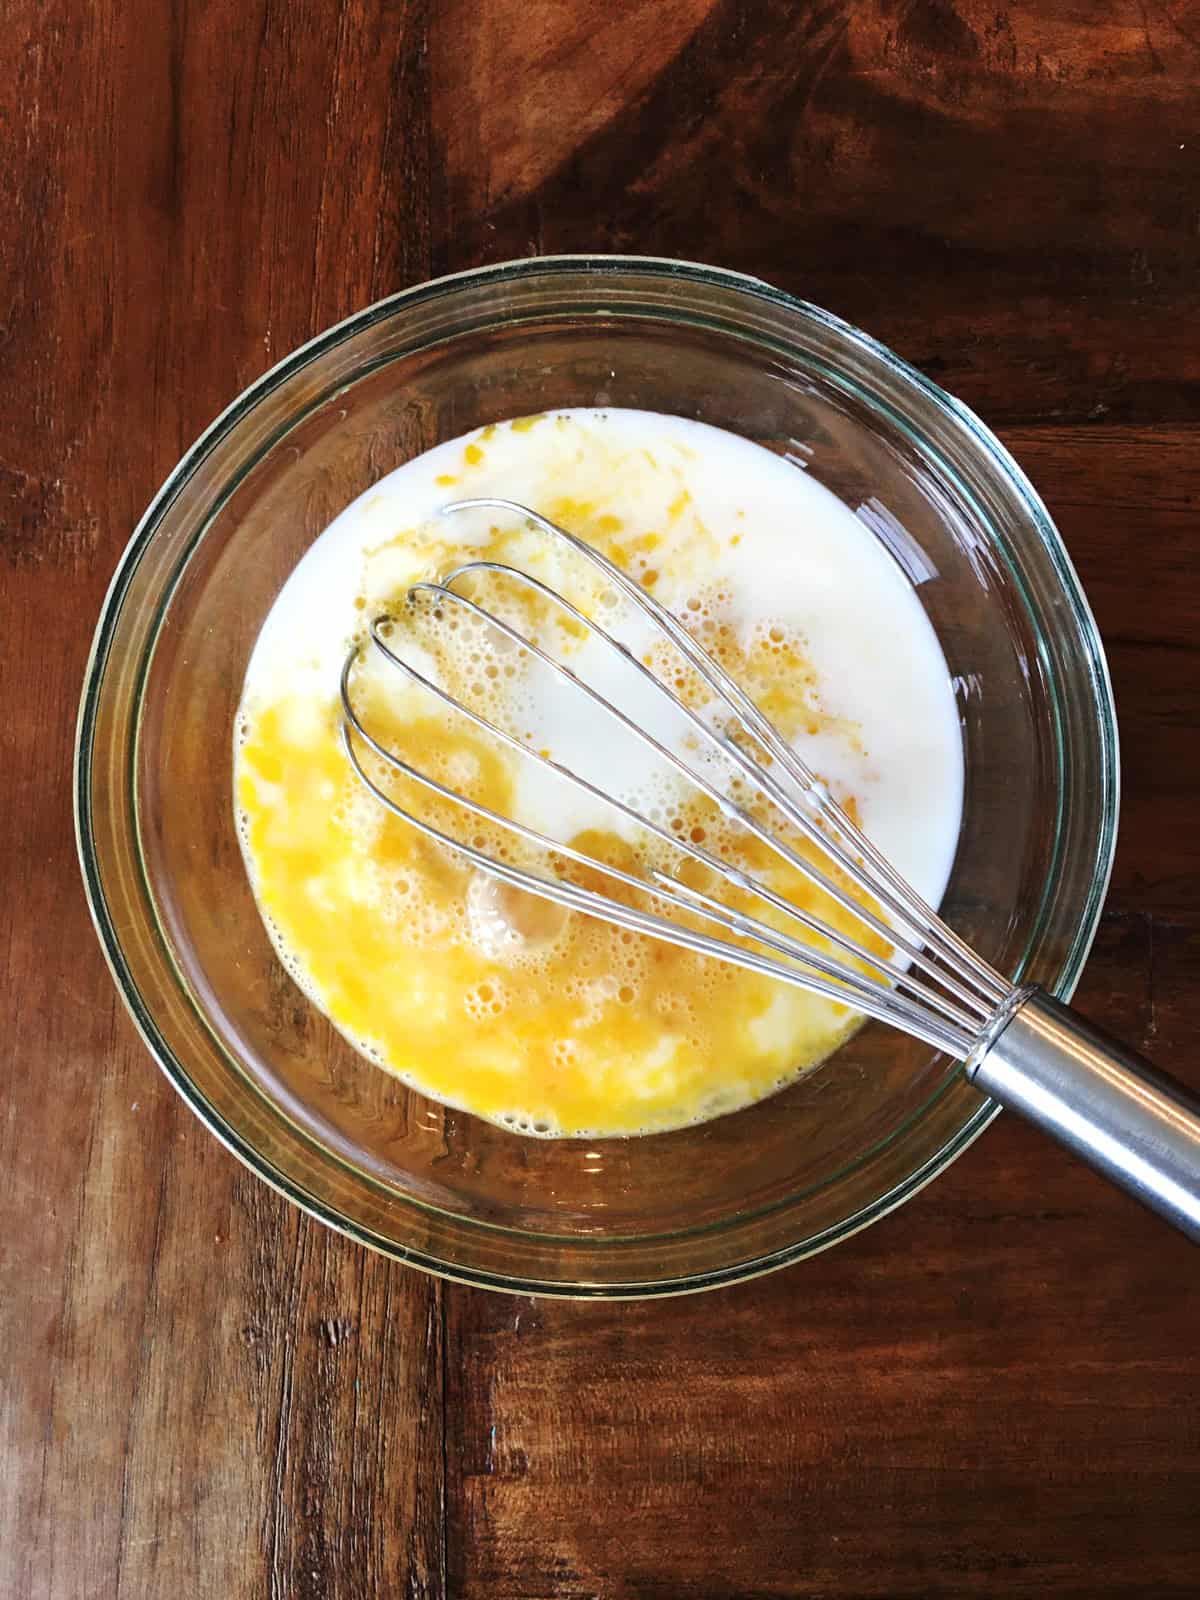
(995, 1391)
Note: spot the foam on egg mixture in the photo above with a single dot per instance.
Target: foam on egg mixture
(548, 1021)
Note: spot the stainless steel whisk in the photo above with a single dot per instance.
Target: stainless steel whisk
(1016, 1043)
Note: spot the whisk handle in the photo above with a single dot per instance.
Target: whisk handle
(1104, 1102)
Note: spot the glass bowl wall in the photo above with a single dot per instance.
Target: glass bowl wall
(264, 1070)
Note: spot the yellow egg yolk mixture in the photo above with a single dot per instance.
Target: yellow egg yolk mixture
(477, 994)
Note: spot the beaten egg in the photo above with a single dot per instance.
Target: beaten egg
(480, 995)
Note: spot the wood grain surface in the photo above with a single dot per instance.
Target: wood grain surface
(994, 1392)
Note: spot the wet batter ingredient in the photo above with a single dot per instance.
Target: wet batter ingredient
(477, 994)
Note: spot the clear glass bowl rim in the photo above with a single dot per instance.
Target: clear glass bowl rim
(953, 412)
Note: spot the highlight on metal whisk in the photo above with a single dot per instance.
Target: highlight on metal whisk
(908, 968)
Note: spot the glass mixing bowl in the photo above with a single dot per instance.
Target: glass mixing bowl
(356, 1148)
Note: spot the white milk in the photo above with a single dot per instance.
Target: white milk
(782, 548)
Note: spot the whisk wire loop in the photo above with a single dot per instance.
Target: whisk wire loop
(663, 886)
(748, 769)
(946, 1004)
(825, 978)
(887, 885)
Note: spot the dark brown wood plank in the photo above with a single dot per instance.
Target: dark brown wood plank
(203, 1392)
(1007, 195)
(1127, 502)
